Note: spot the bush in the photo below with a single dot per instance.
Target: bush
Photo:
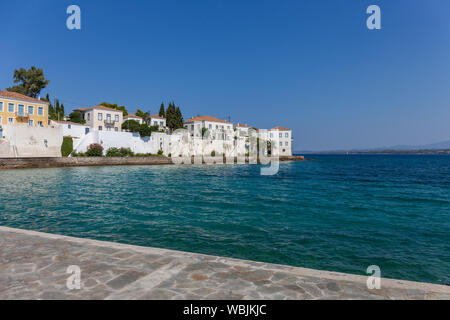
(113, 152)
(94, 150)
(131, 125)
(67, 146)
(126, 152)
(160, 152)
(213, 153)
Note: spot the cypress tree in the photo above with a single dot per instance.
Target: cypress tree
(162, 112)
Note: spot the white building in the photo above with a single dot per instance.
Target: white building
(156, 120)
(102, 118)
(72, 129)
(218, 129)
(134, 117)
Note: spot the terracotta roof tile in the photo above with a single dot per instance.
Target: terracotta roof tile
(97, 107)
(206, 118)
(19, 96)
(156, 116)
(280, 129)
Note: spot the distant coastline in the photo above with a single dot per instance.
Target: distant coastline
(387, 151)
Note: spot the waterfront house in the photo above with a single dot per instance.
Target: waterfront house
(218, 129)
(72, 129)
(134, 117)
(156, 120)
(102, 118)
(283, 138)
(19, 109)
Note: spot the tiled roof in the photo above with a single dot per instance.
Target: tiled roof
(206, 118)
(280, 129)
(97, 107)
(19, 96)
(156, 116)
(131, 115)
(242, 125)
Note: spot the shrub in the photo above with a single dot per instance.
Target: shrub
(160, 152)
(126, 152)
(169, 155)
(67, 146)
(213, 153)
(131, 125)
(94, 150)
(113, 152)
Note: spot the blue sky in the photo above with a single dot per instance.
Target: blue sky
(311, 66)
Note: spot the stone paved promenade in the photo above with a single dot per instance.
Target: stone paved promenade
(33, 265)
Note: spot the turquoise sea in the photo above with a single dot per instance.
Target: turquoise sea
(339, 213)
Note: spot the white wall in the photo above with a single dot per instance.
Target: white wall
(25, 141)
(111, 139)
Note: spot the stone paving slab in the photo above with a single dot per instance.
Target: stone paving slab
(33, 265)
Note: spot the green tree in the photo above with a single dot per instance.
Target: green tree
(76, 117)
(146, 131)
(171, 120)
(115, 106)
(162, 112)
(131, 125)
(67, 146)
(94, 150)
(179, 118)
(30, 82)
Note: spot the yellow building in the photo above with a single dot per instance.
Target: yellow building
(19, 109)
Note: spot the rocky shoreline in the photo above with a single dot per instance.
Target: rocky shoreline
(22, 163)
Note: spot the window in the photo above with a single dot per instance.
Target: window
(10, 120)
(69, 126)
(1, 106)
(281, 135)
(198, 127)
(89, 117)
(86, 130)
(100, 128)
(21, 110)
(116, 129)
(41, 111)
(30, 110)
(217, 127)
(281, 144)
(117, 118)
(11, 107)
(286, 143)
(31, 123)
(40, 124)
(0, 124)
(100, 116)
(286, 134)
(210, 126)
(161, 123)
(155, 123)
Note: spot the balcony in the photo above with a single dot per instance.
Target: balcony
(22, 115)
(109, 122)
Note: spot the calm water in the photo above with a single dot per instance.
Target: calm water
(340, 213)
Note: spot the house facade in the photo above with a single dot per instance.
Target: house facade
(218, 129)
(19, 109)
(102, 118)
(134, 117)
(156, 120)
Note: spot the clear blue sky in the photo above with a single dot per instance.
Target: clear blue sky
(312, 66)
